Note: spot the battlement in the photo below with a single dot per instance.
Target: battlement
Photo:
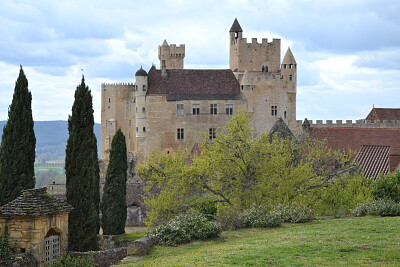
(264, 41)
(392, 124)
(117, 84)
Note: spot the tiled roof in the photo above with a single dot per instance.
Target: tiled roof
(384, 114)
(236, 26)
(185, 84)
(354, 138)
(373, 160)
(34, 202)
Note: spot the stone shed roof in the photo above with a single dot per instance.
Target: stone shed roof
(281, 128)
(189, 84)
(35, 202)
(384, 114)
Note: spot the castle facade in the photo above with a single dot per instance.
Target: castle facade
(171, 108)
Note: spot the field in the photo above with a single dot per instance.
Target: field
(371, 241)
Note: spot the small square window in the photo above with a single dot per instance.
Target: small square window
(213, 109)
(229, 109)
(180, 110)
(180, 133)
(196, 109)
(211, 133)
(274, 110)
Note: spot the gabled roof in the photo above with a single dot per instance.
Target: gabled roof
(185, 84)
(236, 26)
(373, 160)
(289, 58)
(35, 202)
(384, 114)
(281, 129)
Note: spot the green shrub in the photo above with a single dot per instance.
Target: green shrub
(388, 187)
(260, 217)
(67, 261)
(294, 213)
(228, 219)
(343, 194)
(5, 254)
(380, 207)
(185, 228)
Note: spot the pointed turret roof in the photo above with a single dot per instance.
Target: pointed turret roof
(289, 58)
(236, 26)
(165, 43)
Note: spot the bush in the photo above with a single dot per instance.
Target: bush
(260, 217)
(343, 194)
(380, 207)
(185, 228)
(68, 261)
(294, 214)
(388, 187)
(228, 219)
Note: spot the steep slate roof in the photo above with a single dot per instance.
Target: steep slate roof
(289, 58)
(34, 202)
(236, 26)
(384, 114)
(373, 160)
(281, 128)
(185, 84)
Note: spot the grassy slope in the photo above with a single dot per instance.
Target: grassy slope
(350, 242)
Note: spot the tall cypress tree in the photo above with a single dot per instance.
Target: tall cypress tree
(82, 171)
(113, 205)
(17, 150)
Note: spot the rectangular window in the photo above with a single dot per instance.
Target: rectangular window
(196, 109)
(211, 133)
(180, 110)
(229, 109)
(213, 109)
(180, 133)
(274, 110)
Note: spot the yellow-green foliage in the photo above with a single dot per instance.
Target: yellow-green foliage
(343, 194)
(236, 170)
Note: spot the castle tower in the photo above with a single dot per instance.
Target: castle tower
(289, 77)
(141, 122)
(254, 56)
(171, 56)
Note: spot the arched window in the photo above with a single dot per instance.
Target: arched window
(262, 69)
(143, 109)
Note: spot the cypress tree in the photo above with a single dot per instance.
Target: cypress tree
(82, 172)
(17, 150)
(113, 205)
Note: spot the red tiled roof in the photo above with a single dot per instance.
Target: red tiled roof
(185, 84)
(354, 138)
(384, 114)
(373, 160)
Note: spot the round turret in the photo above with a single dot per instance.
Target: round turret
(141, 72)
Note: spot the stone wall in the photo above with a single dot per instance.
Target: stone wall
(103, 258)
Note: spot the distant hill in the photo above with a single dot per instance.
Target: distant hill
(51, 139)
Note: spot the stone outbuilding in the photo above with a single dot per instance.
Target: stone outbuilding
(37, 224)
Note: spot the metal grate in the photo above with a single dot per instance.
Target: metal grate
(51, 248)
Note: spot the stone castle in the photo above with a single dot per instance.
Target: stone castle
(170, 108)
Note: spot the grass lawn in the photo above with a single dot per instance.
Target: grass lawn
(373, 241)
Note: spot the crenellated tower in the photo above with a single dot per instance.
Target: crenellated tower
(254, 56)
(171, 56)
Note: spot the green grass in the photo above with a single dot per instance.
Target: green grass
(373, 241)
(131, 236)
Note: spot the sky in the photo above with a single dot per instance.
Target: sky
(347, 51)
